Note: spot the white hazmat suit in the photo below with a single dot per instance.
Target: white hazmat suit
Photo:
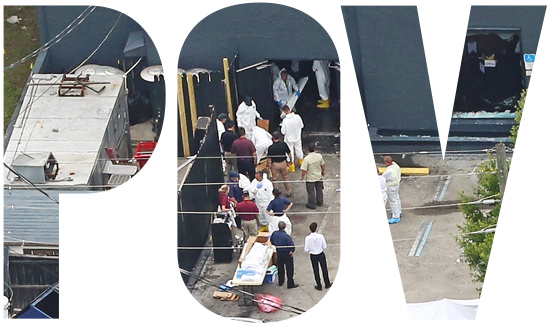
(283, 90)
(291, 128)
(393, 178)
(261, 140)
(322, 73)
(246, 117)
(262, 192)
(384, 189)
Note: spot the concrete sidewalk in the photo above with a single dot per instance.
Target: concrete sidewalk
(438, 271)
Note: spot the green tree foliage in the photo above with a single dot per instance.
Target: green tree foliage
(519, 112)
(476, 246)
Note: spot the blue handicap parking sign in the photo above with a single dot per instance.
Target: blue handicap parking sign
(529, 57)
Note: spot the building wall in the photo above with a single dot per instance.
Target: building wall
(527, 18)
(83, 40)
(390, 65)
(391, 68)
(258, 31)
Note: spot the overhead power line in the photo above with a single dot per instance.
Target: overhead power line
(75, 23)
(30, 183)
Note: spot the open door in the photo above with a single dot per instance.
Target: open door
(255, 81)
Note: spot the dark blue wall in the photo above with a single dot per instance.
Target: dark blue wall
(259, 31)
(83, 40)
(389, 61)
(388, 55)
(527, 18)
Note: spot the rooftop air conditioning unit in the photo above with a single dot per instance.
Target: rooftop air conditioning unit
(36, 167)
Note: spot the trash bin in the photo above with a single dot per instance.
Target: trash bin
(221, 238)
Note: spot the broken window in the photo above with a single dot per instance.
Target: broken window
(491, 75)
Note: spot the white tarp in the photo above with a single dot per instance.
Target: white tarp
(445, 309)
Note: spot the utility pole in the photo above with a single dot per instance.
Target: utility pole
(502, 167)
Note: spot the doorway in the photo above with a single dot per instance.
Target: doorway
(257, 81)
(491, 76)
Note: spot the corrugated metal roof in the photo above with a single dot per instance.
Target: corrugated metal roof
(31, 216)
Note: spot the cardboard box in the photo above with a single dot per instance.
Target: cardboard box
(262, 237)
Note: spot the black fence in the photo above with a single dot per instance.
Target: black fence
(194, 228)
(208, 94)
(28, 277)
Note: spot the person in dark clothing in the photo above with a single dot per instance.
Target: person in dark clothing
(226, 141)
(276, 161)
(285, 255)
(246, 155)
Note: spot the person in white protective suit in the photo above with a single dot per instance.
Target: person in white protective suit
(291, 128)
(284, 87)
(383, 187)
(261, 189)
(322, 73)
(261, 139)
(247, 115)
(393, 178)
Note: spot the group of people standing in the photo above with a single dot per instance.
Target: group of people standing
(256, 202)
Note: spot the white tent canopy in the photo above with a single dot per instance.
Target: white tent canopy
(445, 309)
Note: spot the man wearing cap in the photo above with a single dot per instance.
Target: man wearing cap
(247, 115)
(245, 151)
(248, 212)
(220, 122)
(227, 139)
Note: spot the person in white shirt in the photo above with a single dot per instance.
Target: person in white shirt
(247, 115)
(393, 178)
(262, 190)
(383, 187)
(315, 243)
(261, 139)
(291, 128)
(220, 124)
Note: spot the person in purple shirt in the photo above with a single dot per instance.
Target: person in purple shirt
(246, 154)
